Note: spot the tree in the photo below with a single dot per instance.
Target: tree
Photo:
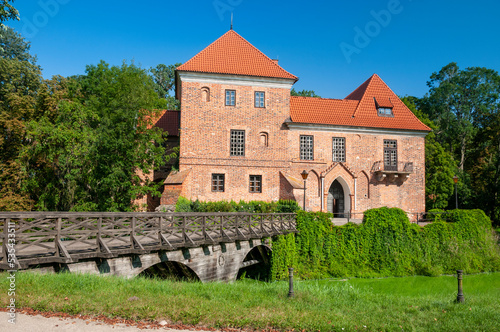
(465, 104)
(455, 102)
(20, 83)
(164, 78)
(484, 166)
(89, 154)
(439, 164)
(13, 46)
(7, 12)
(304, 93)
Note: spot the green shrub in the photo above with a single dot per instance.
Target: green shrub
(282, 206)
(183, 205)
(435, 215)
(387, 244)
(287, 206)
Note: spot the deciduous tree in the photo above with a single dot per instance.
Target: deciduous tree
(439, 165)
(20, 83)
(87, 156)
(304, 93)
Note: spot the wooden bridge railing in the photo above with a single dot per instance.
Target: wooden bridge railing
(33, 238)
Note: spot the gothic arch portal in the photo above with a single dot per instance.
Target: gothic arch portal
(339, 198)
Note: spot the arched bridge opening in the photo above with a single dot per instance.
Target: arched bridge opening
(256, 264)
(171, 271)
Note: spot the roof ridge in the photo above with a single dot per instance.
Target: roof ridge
(198, 54)
(321, 98)
(399, 100)
(272, 69)
(272, 61)
(368, 83)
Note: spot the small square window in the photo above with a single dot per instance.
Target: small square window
(237, 143)
(259, 99)
(218, 182)
(230, 97)
(255, 183)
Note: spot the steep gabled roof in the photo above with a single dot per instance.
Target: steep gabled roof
(358, 109)
(232, 54)
(168, 120)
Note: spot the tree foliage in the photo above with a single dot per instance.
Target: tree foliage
(87, 156)
(465, 105)
(304, 93)
(20, 83)
(439, 165)
(456, 102)
(7, 12)
(164, 78)
(14, 46)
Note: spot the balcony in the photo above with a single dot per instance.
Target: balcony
(392, 173)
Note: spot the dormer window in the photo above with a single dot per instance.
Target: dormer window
(384, 111)
(384, 106)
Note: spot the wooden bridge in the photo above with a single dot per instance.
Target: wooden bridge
(213, 246)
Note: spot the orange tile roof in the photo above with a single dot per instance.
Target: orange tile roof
(383, 101)
(232, 54)
(358, 109)
(169, 121)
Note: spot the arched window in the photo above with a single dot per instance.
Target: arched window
(264, 139)
(205, 94)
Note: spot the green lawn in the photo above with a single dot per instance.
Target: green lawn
(389, 304)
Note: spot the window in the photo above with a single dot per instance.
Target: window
(230, 97)
(384, 106)
(237, 145)
(264, 139)
(205, 94)
(255, 183)
(390, 155)
(259, 99)
(385, 111)
(306, 147)
(338, 149)
(218, 182)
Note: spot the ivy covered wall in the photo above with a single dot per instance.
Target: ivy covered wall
(386, 244)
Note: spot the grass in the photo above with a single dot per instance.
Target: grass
(389, 304)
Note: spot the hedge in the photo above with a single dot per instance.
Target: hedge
(281, 206)
(386, 244)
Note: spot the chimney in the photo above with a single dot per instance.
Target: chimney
(275, 61)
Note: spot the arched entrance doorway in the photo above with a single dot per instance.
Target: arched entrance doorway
(336, 200)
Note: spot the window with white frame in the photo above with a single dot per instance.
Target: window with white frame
(237, 143)
(259, 99)
(230, 97)
(306, 147)
(338, 149)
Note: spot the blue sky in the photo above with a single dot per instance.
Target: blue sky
(332, 46)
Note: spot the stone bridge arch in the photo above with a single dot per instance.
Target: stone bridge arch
(218, 262)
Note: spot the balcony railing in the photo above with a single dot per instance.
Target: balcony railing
(402, 170)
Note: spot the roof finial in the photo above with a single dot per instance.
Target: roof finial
(231, 21)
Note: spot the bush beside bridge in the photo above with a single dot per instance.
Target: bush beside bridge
(386, 244)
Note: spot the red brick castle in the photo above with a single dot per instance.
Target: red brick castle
(243, 137)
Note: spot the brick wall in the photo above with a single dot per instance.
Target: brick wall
(271, 147)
